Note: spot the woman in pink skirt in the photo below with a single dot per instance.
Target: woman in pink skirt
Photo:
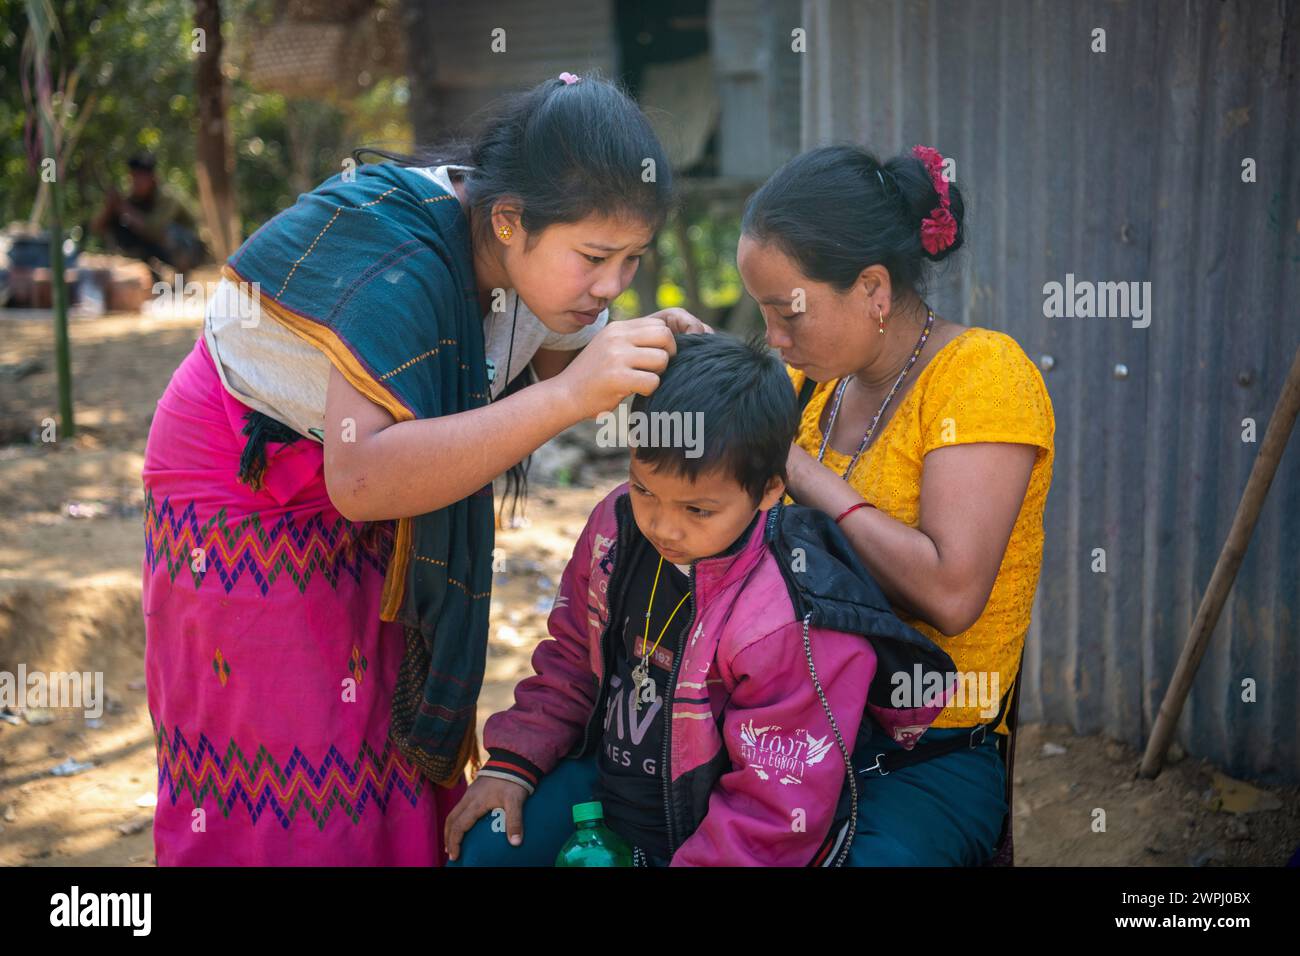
(318, 498)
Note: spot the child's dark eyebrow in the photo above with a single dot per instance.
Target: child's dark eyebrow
(685, 501)
(697, 501)
(775, 300)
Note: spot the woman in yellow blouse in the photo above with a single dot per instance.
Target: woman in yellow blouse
(932, 445)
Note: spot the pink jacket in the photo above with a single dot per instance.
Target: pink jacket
(759, 775)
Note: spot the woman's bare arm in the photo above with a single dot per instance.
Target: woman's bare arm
(943, 570)
(377, 468)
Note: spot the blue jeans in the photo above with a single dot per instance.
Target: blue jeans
(946, 811)
(548, 821)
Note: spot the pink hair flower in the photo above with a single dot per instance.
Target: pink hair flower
(934, 166)
(939, 231)
(569, 79)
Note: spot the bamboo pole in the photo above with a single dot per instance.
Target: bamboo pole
(1225, 569)
(40, 16)
(62, 347)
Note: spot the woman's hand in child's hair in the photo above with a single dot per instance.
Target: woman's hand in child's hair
(483, 795)
(679, 320)
(624, 357)
(797, 465)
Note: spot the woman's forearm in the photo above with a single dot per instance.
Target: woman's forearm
(905, 562)
(410, 468)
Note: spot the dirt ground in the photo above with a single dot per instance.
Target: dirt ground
(71, 544)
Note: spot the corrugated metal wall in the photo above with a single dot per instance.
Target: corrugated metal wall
(1123, 165)
(758, 84)
(541, 41)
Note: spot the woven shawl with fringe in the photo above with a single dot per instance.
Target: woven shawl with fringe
(377, 273)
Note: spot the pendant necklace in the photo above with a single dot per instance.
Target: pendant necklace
(643, 684)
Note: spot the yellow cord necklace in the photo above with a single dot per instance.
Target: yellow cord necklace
(643, 683)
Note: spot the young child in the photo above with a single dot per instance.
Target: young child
(714, 651)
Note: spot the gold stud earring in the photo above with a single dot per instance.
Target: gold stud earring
(880, 314)
(505, 232)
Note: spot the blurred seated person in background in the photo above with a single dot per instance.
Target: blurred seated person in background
(151, 222)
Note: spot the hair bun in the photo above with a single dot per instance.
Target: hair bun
(939, 230)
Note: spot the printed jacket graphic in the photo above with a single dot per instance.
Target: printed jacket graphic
(784, 635)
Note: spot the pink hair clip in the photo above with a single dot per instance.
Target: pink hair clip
(569, 79)
(939, 229)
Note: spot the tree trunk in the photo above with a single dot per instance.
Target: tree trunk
(307, 123)
(215, 148)
(417, 26)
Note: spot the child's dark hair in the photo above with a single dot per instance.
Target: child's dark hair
(837, 209)
(564, 152)
(748, 407)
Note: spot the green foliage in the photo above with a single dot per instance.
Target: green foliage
(712, 238)
(137, 76)
(712, 235)
(136, 62)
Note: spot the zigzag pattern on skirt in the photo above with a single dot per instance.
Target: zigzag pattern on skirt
(263, 553)
(263, 784)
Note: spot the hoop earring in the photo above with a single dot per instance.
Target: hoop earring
(880, 314)
(505, 232)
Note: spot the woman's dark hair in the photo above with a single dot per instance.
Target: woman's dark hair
(837, 209)
(563, 152)
(748, 410)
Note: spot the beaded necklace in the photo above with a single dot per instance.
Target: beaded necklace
(839, 395)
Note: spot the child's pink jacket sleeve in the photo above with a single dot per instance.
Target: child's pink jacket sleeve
(775, 806)
(552, 706)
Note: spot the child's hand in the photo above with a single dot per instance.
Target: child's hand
(484, 794)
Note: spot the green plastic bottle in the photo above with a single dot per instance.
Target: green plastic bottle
(593, 843)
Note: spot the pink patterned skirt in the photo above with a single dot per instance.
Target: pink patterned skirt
(269, 672)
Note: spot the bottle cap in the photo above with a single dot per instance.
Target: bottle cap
(585, 812)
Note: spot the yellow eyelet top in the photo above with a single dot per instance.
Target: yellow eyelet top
(980, 387)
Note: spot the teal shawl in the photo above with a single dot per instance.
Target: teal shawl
(376, 271)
